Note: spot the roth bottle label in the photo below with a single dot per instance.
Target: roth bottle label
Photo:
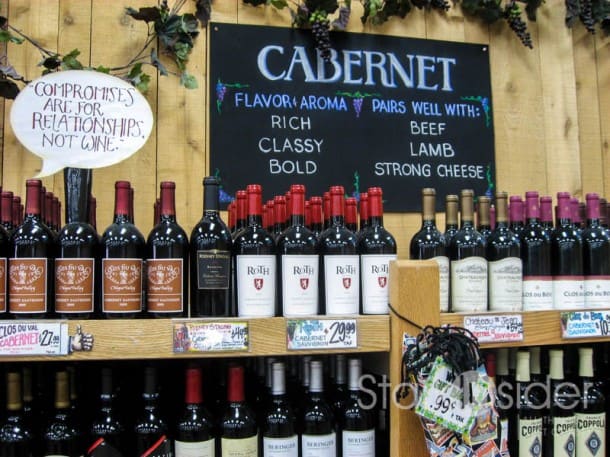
(375, 272)
(342, 284)
(300, 285)
(256, 285)
(74, 280)
(27, 284)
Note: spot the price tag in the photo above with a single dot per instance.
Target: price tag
(495, 328)
(321, 334)
(193, 336)
(34, 338)
(585, 324)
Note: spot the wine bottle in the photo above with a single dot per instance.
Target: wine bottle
(451, 217)
(516, 215)
(238, 427)
(339, 391)
(591, 410)
(483, 216)
(429, 243)
(317, 422)
(299, 261)
(317, 226)
(167, 260)
(504, 265)
(377, 248)
(546, 213)
(56, 214)
(529, 418)
(567, 259)
(575, 214)
(92, 217)
(603, 213)
(560, 441)
(357, 422)
(6, 211)
(326, 209)
(18, 210)
(15, 434)
(241, 198)
(279, 430)
(364, 210)
(62, 437)
(351, 214)
(31, 261)
(467, 262)
(151, 429)
(280, 211)
(78, 264)
(48, 210)
(254, 262)
(232, 216)
(5, 249)
(211, 246)
(596, 257)
(501, 421)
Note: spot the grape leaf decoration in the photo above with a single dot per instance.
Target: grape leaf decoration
(221, 91)
(484, 101)
(357, 99)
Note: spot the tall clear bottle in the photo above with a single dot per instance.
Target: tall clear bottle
(357, 422)
(591, 410)
(596, 257)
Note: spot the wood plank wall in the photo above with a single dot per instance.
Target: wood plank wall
(551, 104)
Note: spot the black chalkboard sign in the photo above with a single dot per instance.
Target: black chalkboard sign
(400, 113)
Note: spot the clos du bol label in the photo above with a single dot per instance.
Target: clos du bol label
(590, 435)
(375, 274)
(27, 285)
(537, 293)
(319, 445)
(121, 285)
(164, 286)
(74, 279)
(300, 285)
(342, 284)
(239, 447)
(280, 447)
(196, 449)
(213, 269)
(2, 285)
(597, 291)
(361, 444)
(564, 436)
(505, 284)
(530, 437)
(568, 292)
(256, 285)
(443, 281)
(469, 284)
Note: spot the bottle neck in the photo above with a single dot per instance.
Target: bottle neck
(585, 365)
(523, 367)
(122, 204)
(210, 198)
(13, 392)
(167, 210)
(337, 212)
(255, 207)
(556, 364)
(32, 200)
(375, 210)
(7, 208)
(316, 384)
(235, 392)
(297, 210)
(193, 386)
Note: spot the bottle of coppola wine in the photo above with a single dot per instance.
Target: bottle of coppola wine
(299, 261)
(429, 243)
(596, 257)
(167, 260)
(451, 217)
(15, 434)
(211, 246)
(280, 438)
(62, 436)
(561, 436)
(31, 261)
(357, 422)
(340, 266)
(529, 418)
(467, 261)
(377, 249)
(254, 254)
(78, 263)
(591, 410)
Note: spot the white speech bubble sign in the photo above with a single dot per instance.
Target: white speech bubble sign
(80, 119)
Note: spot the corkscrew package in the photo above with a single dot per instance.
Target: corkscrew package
(456, 399)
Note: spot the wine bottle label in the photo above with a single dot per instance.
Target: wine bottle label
(530, 437)
(359, 444)
(342, 284)
(375, 273)
(239, 447)
(597, 291)
(319, 445)
(300, 285)
(122, 285)
(164, 285)
(590, 435)
(196, 449)
(564, 436)
(443, 281)
(505, 284)
(537, 293)
(256, 285)
(568, 292)
(281, 447)
(213, 269)
(469, 284)
(27, 285)
(74, 280)
(2, 284)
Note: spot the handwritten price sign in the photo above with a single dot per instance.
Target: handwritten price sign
(34, 338)
(321, 334)
(495, 328)
(585, 324)
(210, 336)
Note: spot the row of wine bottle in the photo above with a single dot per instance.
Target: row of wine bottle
(516, 265)
(278, 415)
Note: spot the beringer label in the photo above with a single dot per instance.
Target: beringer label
(74, 280)
(164, 285)
(319, 445)
(122, 285)
(359, 444)
(281, 447)
(2, 285)
(27, 285)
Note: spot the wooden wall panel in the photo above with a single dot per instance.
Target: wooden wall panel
(602, 50)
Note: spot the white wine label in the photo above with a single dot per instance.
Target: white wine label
(597, 291)
(300, 285)
(319, 445)
(537, 293)
(530, 437)
(590, 435)
(256, 285)
(280, 447)
(239, 447)
(34, 338)
(359, 444)
(505, 284)
(197, 449)
(443, 281)
(375, 273)
(469, 285)
(342, 284)
(564, 436)
(568, 292)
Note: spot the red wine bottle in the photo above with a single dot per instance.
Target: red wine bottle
(31, 262)
(279, 430)
(77, 265)
(18, 210)
(299, 261)
(603, 213)
(326, 209)
(6, 211)
(357, 422)
(317, 223)
(123, 251)
(546, 213)
(280, 212)
(339, 390)
(232, 216)
(351, 214)
(575, 214)
(92, 217)
(62, 436)
(560, 441)
(529, 418)
(377, 248)
(15, 434)
(483, 216)
(567, 259)
(241, 199)
(596, 257)
(516, 215)
(254, 254)
(48, 209)
(451, 217)
(211, 246)
(591, 410)
(167, 261)
(505, 268)
(429, 243)
(5, 249)
(364, 210)
(238, 426)
(195, 427)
